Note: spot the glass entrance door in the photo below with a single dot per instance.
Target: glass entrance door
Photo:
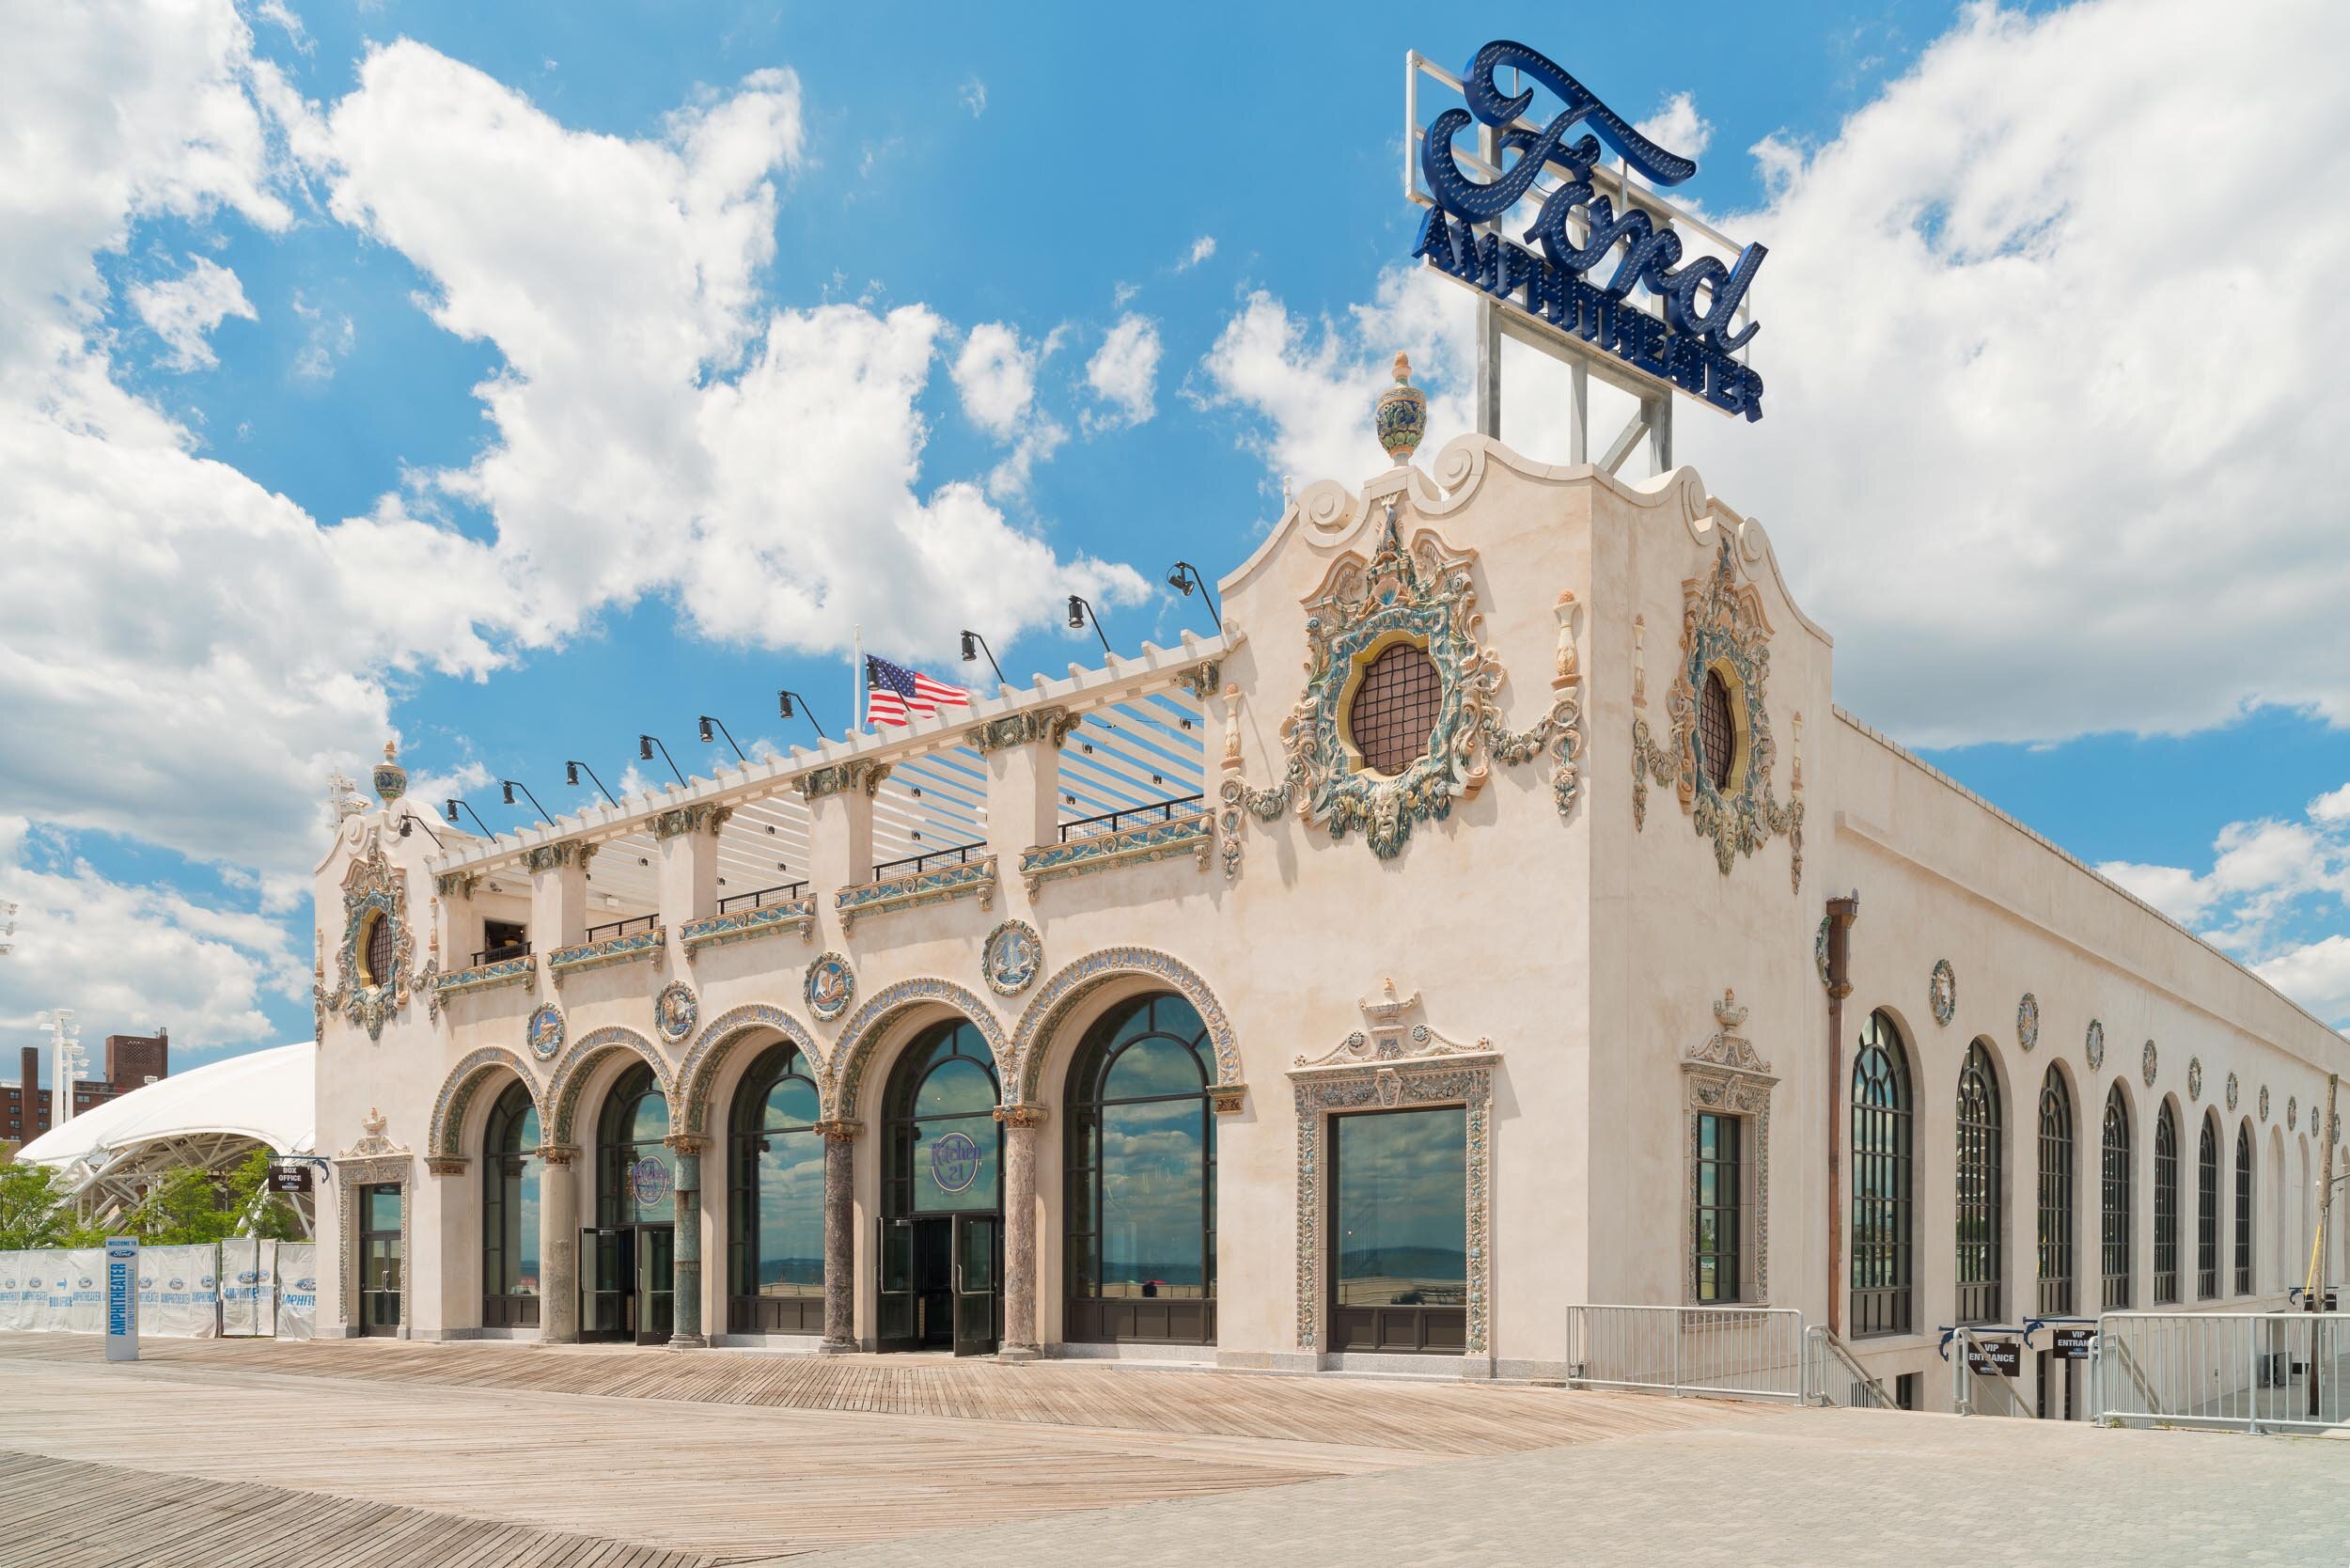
(654, 1298)
(381, 1266)
(607, 1282)
(978, 1284)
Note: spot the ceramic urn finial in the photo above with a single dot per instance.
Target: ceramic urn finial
(1402, 415)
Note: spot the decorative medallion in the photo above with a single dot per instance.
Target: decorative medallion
(375, 961)
(391, 780)
(2146, 1064)
(1423, 597)
(2293, 1111)
(1010, 957)
(676, 1011)
(830, 987)
(2264, 1105)
(1942, 990)
(545, 1031)
(2194, 1078)
(2097, 1044)
(2231, 1091)
(1818, 951)
(1402, 415)
(2027, 1021)
(1724, 631)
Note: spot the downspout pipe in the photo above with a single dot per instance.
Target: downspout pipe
(1841, 913)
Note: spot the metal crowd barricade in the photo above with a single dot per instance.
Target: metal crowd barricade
(1833, 1377)
(1722, 1352)
(2249, 1371)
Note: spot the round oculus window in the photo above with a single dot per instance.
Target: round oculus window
(1718, 731)
(1393, 716)
(375, 949)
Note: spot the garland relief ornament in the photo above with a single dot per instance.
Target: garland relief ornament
(830, 987)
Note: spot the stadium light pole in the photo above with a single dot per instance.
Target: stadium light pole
(1079, 613)
(973, 646)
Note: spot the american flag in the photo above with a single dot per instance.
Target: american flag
(896, 695)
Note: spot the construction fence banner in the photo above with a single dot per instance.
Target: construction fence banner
(24, 1290)
(179, 1291)
(248, 1287)
(297, 1290)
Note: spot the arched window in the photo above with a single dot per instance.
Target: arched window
(2207, 1210)
(1393, 714)
(2166, 1207)
(1979, 1176)
(630, 1270)
(1881, 1159)
(1139, 1259)
(941, 1194)
(776, 1199)
(510, 1212)
(2056, 1196)
(2244, 1210)
(2114, 1217)
(1718, 731)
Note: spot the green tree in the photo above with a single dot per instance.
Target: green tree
(33, 1213)
(184, 1208)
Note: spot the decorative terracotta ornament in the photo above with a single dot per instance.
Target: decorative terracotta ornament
(1402, 415)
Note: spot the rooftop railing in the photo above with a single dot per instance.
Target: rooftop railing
(1133, 816)
(622, 928)
(784, 893)
(500, 953)
(914, 865)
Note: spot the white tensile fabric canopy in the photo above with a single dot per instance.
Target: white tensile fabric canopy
(211, 1116)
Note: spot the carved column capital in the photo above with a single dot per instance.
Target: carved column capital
(838, 1131)
(559, 1153)
(446, 1164)
(1021, 1116)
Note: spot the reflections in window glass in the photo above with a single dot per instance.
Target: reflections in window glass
(1401, 1210)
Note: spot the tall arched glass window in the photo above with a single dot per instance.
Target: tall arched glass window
(942, 1196)
(1881, 1169)
(776, 1199)
(2114, 1209)
(636, 1175)
(1979, 1178)
(2244, 1210)
(510, 1212)
(2056, 1196)
(1140, 1146)
(2166, 1207)
(2207, 1210)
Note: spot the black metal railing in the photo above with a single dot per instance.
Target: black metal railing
(783, 894)
(500, 953)
(622, 928)
(914, 865)
(1133, 816)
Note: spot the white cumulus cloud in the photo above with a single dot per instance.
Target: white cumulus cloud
(1124, 371)
(183, 310)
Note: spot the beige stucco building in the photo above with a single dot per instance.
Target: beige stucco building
(1527, 926)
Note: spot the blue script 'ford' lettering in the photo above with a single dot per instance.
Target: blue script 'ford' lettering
(1692, 345)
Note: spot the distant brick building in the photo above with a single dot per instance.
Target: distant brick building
(26, 1109)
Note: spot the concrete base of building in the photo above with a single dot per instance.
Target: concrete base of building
(796, 1344)
(1016, 1355)
(1157, 1355)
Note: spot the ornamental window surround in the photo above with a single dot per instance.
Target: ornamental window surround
(1726, 1107)
(1395, 696)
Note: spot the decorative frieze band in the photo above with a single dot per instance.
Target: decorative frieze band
(841, 778)
(742, 925)
(975, 879)
(521, 971)
(1129, 846)
(1011, 729)
(565, 962)
(569, 851)
(680, 821)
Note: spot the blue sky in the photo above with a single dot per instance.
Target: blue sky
(453, 371)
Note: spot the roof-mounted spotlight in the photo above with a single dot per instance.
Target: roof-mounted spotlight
(1079, 613)
(973, 646)
(707, 721)
(1184, 577)
(570, 775)
(644, 753)
(785, 710)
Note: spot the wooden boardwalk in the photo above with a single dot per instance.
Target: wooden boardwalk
(489, 1453)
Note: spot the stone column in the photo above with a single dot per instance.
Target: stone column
(685, 1300)
(558, 1244)
(840, 1235)
(1019, 1133)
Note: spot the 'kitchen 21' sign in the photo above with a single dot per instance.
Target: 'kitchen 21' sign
(1690, 345)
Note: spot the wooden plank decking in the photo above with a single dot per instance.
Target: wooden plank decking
(491, 1452)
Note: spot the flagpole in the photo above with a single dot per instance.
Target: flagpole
(856, 681)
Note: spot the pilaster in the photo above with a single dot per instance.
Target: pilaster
(559, 894)
(688, 875)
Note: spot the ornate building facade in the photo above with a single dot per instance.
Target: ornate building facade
(1498, 915)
